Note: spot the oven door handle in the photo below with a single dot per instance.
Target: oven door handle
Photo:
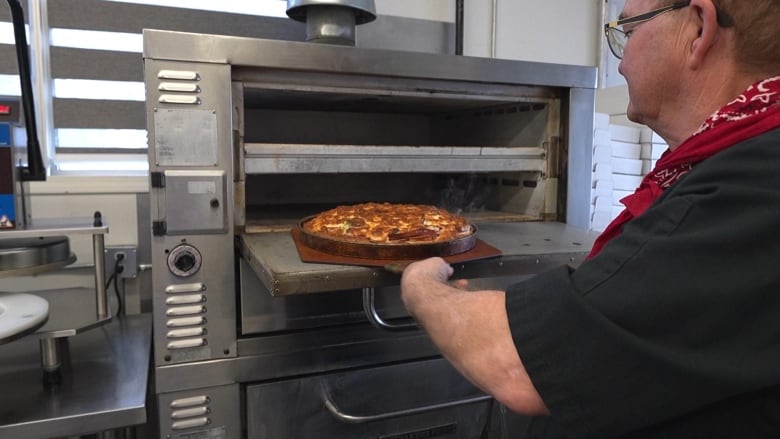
(369, 307)
(362, 419)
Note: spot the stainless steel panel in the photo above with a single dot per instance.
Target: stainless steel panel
(104, 383)
(326, 58)
(185, 137)
(420, 399)
(526, 248)
(215, 245)
(195, 201)
(580, 156)
(296, 353)
(286, 158)
(58, 226)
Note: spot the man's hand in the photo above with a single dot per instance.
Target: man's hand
(471, 330)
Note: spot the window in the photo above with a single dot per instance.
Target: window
(86, 58)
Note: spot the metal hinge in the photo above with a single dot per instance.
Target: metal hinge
(159, 228)
(158, 179)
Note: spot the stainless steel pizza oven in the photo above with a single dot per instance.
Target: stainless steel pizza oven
(248, 136)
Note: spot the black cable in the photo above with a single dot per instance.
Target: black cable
(118, 268)
(118, 297)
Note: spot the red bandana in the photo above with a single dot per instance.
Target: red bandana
(753, 113)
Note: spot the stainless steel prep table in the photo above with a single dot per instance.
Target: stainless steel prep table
(104, 383)
(534, 246)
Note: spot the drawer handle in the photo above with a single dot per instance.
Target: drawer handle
(361, 419)
(369, 308)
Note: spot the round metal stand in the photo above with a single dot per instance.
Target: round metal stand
(29, 256)
(42, 247)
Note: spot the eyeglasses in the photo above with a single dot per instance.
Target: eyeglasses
(617, 38)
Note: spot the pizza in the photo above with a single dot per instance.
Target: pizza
(388, 224)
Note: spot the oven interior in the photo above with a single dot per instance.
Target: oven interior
(488, 152)
(319, 141)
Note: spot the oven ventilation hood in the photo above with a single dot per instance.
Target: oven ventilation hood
(331, 21)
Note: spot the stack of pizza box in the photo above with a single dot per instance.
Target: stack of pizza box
(618, 167)
(652, 148)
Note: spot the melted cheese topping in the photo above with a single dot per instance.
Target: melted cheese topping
(386, 223)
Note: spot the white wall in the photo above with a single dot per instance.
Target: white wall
(555, 31)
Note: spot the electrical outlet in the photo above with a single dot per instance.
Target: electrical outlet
(128, 261)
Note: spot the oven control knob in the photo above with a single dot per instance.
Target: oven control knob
(184, 260)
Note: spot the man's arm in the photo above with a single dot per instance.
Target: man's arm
(471, 330)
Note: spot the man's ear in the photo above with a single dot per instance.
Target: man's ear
(706, 20)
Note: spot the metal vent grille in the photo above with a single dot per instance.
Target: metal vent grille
(191, 412)
(186, 316)
(179, 87)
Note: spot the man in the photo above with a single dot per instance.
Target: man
(671, 327)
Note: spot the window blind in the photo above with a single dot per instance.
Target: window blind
(90, 52)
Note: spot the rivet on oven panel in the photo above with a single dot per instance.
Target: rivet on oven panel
(226, 351)
(167, 358)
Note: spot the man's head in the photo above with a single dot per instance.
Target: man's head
(683, 60)
(756, 26)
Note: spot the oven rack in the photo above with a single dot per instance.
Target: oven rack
(527, 248)
(273, 158)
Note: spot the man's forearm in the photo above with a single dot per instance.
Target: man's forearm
(471, 331)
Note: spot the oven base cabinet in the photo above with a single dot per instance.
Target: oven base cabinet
(411, 400)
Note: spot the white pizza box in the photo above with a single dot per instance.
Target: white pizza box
(600, 220)
(647, 166)
(602, 171)
(602, 154)
(618, 195)
(624, 133)
(625, 182)
(601, 121)
(646, 135)
(601, 137)
(595, 195)
(626, 150)
(626, 166)
(603, 187)
(616, 210)
(652, 151)
(603, 204)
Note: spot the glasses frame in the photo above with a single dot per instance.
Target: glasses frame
(612, 26)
